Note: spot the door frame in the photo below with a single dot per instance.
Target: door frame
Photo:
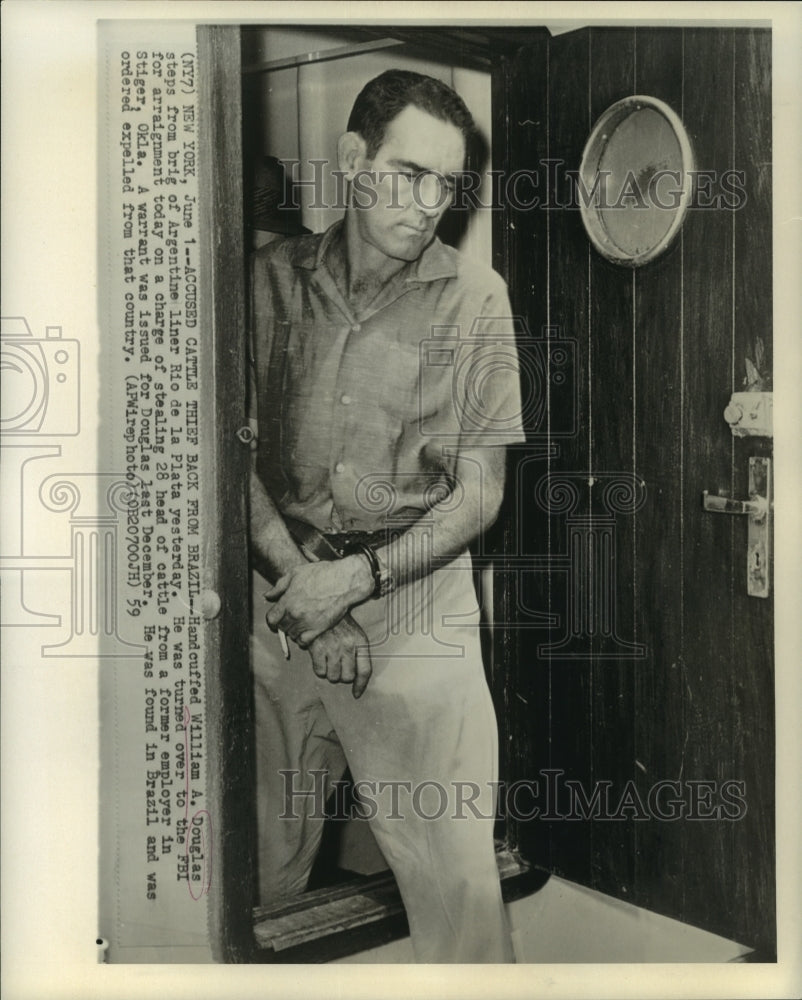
(223, 368)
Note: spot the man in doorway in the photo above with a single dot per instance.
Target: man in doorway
(380, 457)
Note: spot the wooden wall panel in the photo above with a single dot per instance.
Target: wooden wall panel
(611, 342)
(751, 651)
(659, 860)
(659, 351)
(708, 564)
(566, 735)
(520, 246)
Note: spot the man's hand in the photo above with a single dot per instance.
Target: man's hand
(313, 597)
(342, 655)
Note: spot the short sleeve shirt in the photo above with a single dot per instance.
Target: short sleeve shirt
(361, 416)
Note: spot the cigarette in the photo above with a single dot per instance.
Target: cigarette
(282, 637)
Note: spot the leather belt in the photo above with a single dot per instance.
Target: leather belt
(329, 546)
(342, 539)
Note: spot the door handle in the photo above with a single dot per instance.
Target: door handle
(725, 505)
(758, 508)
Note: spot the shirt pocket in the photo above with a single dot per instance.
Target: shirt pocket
(406, 394)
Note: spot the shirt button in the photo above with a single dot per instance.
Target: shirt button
(339, 467)
(356, 328)
(345, 399)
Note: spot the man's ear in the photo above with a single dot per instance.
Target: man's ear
(351, 150)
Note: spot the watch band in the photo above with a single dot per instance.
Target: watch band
(383, 582)
(386, 580)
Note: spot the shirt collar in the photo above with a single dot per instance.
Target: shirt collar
(437, 260)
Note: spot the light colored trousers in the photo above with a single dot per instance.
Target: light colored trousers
(426, 726)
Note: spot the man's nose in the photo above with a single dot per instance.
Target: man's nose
(431, 195)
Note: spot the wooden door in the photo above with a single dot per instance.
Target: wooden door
(672, 679)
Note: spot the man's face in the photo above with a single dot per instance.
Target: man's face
(399, 203)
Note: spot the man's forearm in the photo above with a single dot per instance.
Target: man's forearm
(436, 539)
(450, 526)
(273, 550)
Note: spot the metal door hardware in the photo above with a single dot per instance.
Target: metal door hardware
(758, 508)
(725, 505)
(750, 414)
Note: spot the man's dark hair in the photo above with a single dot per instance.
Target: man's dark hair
(386, 96)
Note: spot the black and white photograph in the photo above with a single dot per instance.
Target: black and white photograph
(410, 519)
(404, 404)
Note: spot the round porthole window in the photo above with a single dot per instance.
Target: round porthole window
(636, 180)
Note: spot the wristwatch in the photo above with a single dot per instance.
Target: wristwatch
(383, 579)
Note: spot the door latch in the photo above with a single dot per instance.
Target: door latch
(758, 508)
